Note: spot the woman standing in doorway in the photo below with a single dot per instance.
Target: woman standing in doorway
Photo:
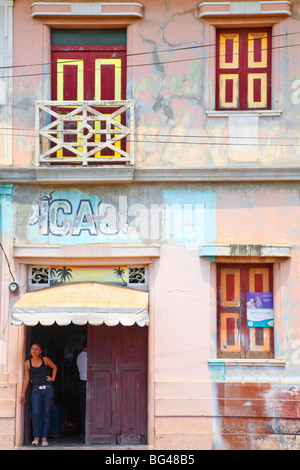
(42, 394)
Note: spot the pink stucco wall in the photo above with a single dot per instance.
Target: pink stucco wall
(189, 401)
(171, 77)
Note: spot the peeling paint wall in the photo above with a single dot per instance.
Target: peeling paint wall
(257, 416)
(248, 406)
(198, 401)
(171, 77)
(257, 407)
(6, 92)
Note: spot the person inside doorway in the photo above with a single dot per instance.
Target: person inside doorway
(42, 394)
(82, 369)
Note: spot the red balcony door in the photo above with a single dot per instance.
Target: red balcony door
(117, 385)
(89, 73)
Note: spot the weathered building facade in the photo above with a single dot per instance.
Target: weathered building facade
(149, 189)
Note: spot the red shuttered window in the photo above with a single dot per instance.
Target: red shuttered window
(243, 69)
(236, 337)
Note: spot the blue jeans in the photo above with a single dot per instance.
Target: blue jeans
(41, 403)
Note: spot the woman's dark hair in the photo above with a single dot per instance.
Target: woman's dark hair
(38, 344)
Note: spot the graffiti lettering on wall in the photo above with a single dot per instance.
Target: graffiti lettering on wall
(59, 217)
(78, 217)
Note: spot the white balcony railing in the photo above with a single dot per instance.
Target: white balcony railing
(84, 132)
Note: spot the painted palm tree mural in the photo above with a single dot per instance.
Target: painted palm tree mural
(120, 273)
(61, 275)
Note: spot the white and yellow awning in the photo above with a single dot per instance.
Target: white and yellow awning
(81, 303)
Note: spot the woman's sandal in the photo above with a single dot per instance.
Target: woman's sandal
(35, 442)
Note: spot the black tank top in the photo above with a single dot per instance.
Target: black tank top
(38, 374)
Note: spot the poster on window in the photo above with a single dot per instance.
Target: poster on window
(260, 309)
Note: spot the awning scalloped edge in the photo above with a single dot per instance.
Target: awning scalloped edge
(64, 320)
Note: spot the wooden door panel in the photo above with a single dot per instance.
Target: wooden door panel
(68, 76)
(230, 333)
(117, 384)
(132, 341)
(230, 287)
(260, 338)
(109, 79)
(100, 424)
(259, 280)
(109, 84)
(131, 407)
(101, 356)
(100, 379)
(70, 79)
(133, 367)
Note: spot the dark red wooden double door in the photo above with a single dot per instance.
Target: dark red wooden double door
(117, 385)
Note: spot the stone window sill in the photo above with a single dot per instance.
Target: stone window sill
(261, 113)
(246, 362)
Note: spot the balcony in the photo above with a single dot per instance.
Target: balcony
(85, 133)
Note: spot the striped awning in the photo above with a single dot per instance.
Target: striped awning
(81, 303)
